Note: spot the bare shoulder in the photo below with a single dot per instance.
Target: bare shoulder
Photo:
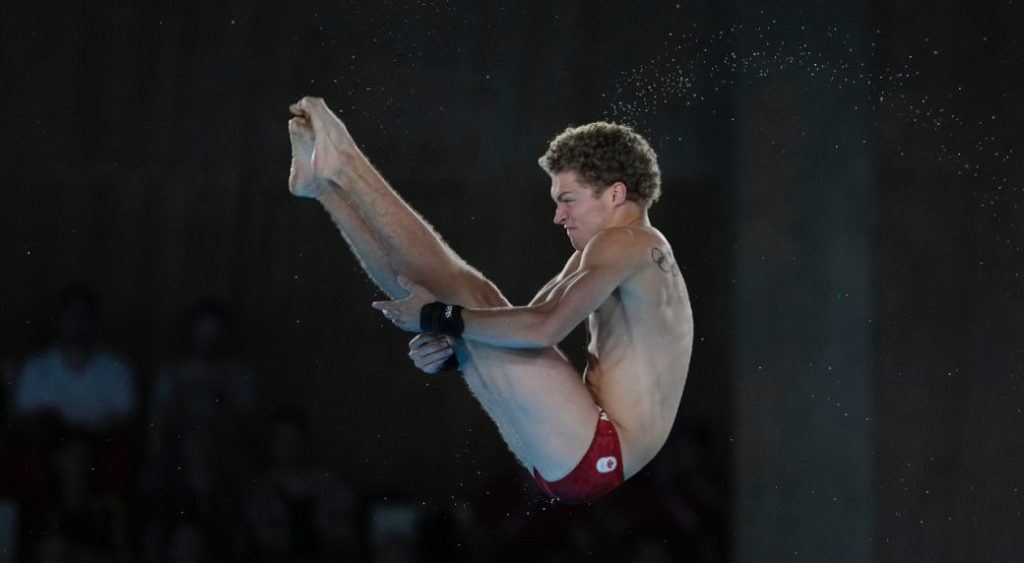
(625, 243)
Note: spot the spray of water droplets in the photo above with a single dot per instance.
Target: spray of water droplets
(696, 69)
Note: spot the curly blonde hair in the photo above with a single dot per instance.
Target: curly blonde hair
(603, 153)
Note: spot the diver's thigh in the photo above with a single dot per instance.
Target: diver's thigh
(543, 396)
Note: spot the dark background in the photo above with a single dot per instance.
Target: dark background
(841, 188)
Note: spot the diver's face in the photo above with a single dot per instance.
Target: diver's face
(578, 208)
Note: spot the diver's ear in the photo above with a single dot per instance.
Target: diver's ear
(618, 193)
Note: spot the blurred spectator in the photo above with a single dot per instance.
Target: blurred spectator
(71, 447)
(8, 373)
(201, 440)
(8, 508)
(474, 541)
(334, 520)
(677, 503)
(204, 389)
(396, 530)
(267, 534)
(296, 507)
(54, 548)
(82, 385)
(89, 515)
(8, 530)
(650, 550)
(187, 542)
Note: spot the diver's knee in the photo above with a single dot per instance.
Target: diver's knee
(477, 291)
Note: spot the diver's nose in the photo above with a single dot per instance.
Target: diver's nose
(560, 215)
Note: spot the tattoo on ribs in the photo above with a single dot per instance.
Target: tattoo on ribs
(665, 261)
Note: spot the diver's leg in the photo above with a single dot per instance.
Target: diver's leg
(536, 398)
(303, 182)
(364, 245)
(413, 248)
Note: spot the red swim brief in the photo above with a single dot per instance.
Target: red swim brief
(597, 473)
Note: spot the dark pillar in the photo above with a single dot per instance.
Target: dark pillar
(803, 294)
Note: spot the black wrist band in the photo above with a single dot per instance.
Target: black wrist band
(441, 318)
(451, 364)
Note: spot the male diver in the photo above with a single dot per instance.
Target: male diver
(580, 435)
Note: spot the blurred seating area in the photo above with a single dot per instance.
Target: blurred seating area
(192, 464)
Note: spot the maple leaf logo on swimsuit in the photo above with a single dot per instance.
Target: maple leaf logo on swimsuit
(607, 464)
